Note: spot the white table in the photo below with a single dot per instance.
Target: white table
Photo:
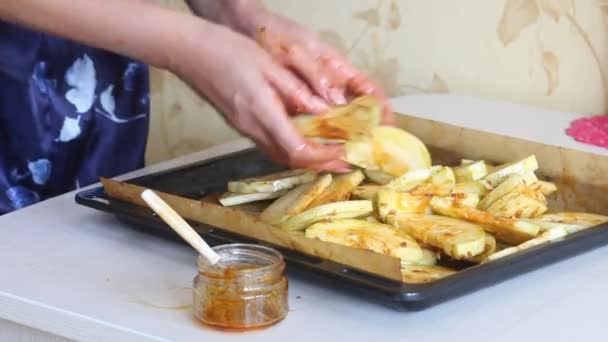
(73, 272)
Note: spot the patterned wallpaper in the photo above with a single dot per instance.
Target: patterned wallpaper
(548, 53)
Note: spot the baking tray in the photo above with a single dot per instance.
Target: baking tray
(199, 179)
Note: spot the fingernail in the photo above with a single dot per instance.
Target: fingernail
(343, 170)
(318, 104)
(337, 96)
(335, 166)
(388, 118)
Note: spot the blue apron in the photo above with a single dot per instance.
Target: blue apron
(68, 115)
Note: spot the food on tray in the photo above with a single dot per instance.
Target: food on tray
(429, 258)
(456, 238)
(510, 184)
(470, 171)
(376, 237)
(548, 236)
(479, 187)
(584, 219)
(489, 249)
(415, 274)
(457, 200)
(441, 183)
(367, 191)
(396, 203)
(272, 183)
(389, 202)
(329, 212)
(411, 179)
(545, 188)
(340, 189)
(572, 222)
(547, 225)
(505, 229)
(295, 201)
(378, 177)
(518, 205)
(231, 199)
(501, 172)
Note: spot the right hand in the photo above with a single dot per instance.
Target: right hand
(254, 93)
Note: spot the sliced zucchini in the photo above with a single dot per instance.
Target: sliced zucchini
(416, 274)
(576, 218)
(410, 180)
(390, 150)
(547, 236)
(362, 234)
(272, 183)
(295, 201)
(508, 230)
(441, 183)
(429, 258)
(546, 188)
(471, 171)
(372, 219)
(518, 205)
(489, 167)
(461, 199)
(231, 199)
(480, 188)
(458, 239)
(343, 122)
(360, 153)
(510, 184)
(340, 189)
(490, 248)
(547, 225)
(329, 212)
(501, 173)
(379, 177)
(466, 161)
(367, 191)
(389, 202)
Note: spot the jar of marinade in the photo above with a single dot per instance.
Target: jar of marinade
(246, 289)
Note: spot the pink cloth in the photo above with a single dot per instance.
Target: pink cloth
(591, 130)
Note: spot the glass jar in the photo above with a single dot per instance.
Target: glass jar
(247, 289)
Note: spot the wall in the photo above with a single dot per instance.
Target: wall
(548, 53)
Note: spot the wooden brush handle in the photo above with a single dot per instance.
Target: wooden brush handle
(175, 221)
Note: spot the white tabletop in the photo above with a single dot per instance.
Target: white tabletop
(81, 274)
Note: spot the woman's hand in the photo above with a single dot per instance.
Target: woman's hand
(252, 91)
(328, 73)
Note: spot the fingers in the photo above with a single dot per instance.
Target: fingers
(295, 94)
(337, 166)
(296, 151)
(273, 131)
(314, 70)
(358, 84)
(306, 155)
(308, 65)
(340, 79)
(361, 85)
(324, 70)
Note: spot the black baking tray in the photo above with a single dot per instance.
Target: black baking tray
(199, 179)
